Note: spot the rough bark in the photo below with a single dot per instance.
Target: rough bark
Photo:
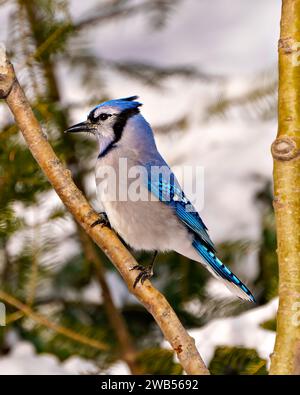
(128, 352)
(105, 238)
(286, 155)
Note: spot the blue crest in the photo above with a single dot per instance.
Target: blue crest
(126, 103)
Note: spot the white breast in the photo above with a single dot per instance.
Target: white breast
(144, 225)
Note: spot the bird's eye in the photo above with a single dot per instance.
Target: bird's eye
(104, 116)
(101, 117)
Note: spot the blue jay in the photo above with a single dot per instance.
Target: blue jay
(162, 222)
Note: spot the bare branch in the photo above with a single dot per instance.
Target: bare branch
(42, 320)
(105, 238)
(286, 155)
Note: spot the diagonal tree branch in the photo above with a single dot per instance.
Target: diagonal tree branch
(128, 352)
(105, 238)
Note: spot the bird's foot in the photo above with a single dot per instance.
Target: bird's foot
(103, 221)
(146, 272)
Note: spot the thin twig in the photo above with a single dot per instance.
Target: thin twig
(42, 320)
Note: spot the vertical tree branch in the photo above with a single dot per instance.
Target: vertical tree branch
(286, 155)
(48, 69)
(106, 239)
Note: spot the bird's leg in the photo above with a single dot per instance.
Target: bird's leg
(146, 272)
(103, 220)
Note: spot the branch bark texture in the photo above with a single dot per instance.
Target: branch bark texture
(76, 203)
(286, 155)
(128, 352)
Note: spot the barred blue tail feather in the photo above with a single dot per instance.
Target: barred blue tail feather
(219, 270)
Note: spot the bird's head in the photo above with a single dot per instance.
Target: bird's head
(108, 120)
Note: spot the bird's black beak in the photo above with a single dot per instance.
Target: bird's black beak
(80, 127)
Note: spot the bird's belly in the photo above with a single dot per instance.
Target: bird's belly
(146, 225)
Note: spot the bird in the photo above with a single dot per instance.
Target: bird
(163, 221)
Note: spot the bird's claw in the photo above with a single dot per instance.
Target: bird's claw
(145, 274)
(102, 220)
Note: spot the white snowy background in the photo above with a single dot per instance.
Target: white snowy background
(236, 39)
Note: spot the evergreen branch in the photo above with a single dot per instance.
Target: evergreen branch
(42, 320)
(45, 45)
(258, 100)
(105, 238)
(151, 74)
(118, 11)
(105, 15)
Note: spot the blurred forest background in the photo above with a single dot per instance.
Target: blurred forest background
(208, 84)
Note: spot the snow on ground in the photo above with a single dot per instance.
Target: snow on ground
(241, 331)
(23, 360)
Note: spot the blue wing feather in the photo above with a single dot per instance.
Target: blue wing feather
(171, 193)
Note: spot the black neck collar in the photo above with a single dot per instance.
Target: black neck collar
(118, 128)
